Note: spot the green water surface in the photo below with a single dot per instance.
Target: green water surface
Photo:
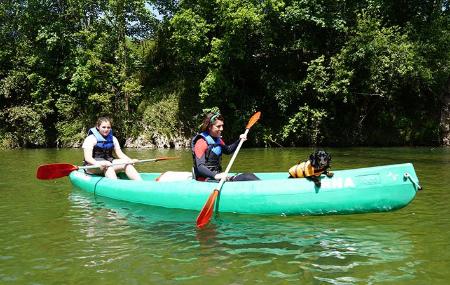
(52, 233)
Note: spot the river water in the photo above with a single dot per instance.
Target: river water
(52, 233)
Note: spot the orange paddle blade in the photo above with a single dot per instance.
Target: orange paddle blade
(253, 120)
(207, 211)
(54, 170)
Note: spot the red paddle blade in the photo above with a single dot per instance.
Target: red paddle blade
(207, 211)
(54, 170)
(253, 120)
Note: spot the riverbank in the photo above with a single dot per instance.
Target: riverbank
(154, 142)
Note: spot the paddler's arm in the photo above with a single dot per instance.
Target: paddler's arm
(200, 149)
(119, 153)
(88, 147)
(229, 149)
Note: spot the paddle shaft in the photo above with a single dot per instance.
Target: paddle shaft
(222, 181)
(122, 163)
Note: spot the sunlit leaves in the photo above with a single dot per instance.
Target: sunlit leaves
(238, 16)
(25, 124)
(189, 36)
(305, 126)
(380, 58)
(213, 86)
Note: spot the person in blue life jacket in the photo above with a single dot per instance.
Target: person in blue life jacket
(207, 149)
(101, 148)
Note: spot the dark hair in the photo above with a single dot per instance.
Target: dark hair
(103, 119)
(209, 119)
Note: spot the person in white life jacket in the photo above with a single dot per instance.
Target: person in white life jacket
(101, 148)
(207, 149)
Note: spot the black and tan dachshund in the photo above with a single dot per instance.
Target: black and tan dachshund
(318, 163)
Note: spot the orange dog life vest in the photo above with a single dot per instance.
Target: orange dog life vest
(304, 169)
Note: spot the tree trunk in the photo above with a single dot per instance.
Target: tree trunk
(445, 117)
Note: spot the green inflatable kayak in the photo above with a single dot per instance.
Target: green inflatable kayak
(362, 190)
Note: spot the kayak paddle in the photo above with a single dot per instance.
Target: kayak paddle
(207, 210)
(58, 170)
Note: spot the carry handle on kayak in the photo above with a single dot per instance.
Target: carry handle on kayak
(408, 176)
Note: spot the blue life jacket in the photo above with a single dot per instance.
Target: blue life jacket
(213, 155)
(105, 145)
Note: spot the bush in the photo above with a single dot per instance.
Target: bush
(304, 127)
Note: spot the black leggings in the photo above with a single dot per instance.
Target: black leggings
(244, 177)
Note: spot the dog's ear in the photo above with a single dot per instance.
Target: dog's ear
(314, 159)
(328, 159)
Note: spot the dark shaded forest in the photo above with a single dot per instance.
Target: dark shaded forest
(330, 73)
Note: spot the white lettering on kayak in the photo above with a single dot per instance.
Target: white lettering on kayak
(349, 183)
(368, 179)
(338, 183)
(393, 176)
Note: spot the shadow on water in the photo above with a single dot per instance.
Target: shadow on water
(331, 249)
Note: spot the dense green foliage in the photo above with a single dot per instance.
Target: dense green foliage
(373, 72)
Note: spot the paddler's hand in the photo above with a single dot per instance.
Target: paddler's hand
(129, 161)
(104, 164)
(219, 176)
(133, 161)
(243, 137)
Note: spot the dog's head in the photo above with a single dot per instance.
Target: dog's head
(320, 159)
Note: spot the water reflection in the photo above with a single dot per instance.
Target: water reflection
(334, 249)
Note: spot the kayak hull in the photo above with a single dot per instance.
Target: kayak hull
(362, 190)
